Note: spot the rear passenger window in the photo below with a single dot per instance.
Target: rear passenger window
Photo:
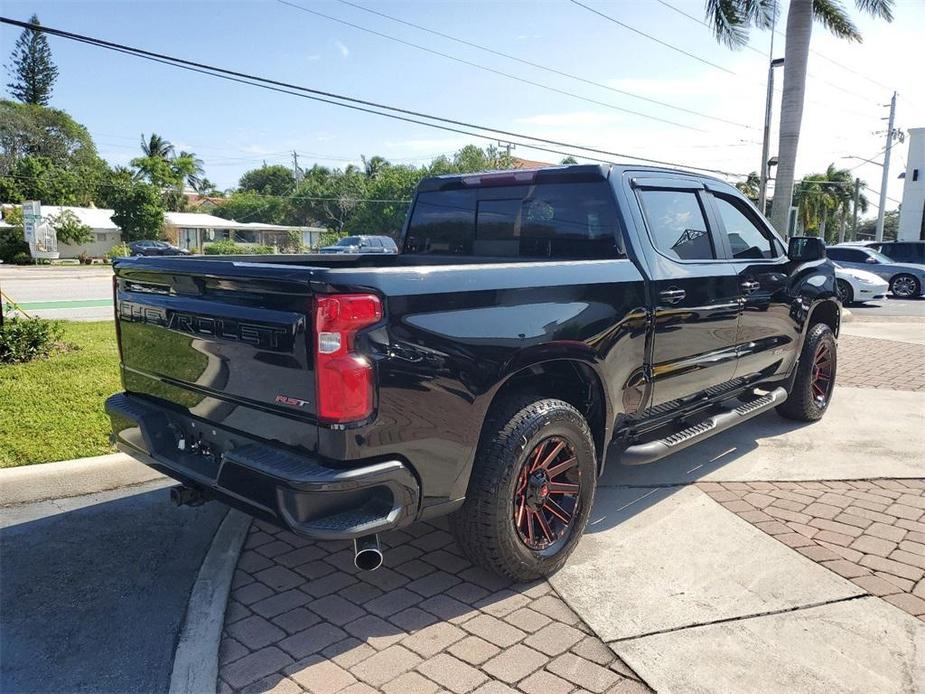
(546, 220)
(746, 240)
(677, 224)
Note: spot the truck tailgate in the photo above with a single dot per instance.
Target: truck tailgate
(225, 340)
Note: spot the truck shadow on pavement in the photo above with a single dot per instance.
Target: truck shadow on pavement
(93, 590)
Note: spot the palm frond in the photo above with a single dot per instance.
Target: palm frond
(727, 23)
(759, 13)
(834, 17)
(882, 9)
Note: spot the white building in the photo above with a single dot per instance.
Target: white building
(912, 212)
(193, 230)
(190, 230)
(105, 233)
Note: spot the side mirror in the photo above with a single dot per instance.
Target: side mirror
(871, 261)
(805, 249)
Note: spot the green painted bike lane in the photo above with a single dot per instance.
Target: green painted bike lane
(76, 303)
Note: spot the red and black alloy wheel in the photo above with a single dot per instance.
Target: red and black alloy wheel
(822, 377)
(546, 497)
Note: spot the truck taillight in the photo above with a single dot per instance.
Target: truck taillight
(343, 378)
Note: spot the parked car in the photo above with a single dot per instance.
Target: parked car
(900, 251)
(906, 279)
(155, 248)
(537, 326)
(362, 244)
(853, 285)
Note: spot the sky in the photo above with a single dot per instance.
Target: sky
(234, 127)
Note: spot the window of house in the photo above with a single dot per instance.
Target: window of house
(677, 224)
(746, 239)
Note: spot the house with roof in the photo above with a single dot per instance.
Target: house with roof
(190, 230)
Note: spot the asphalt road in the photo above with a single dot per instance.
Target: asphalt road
(93, 590)
(62, 292)
(889, 306)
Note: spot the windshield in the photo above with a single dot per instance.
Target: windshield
(879, 256)
(349, 241)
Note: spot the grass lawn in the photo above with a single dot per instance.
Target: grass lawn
(52, 409)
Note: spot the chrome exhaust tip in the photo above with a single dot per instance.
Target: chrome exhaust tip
(367, 553)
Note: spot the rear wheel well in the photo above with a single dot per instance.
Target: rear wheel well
(827, 312)
(572, 381)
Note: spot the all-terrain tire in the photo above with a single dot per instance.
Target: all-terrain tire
(485, 525)
(803, 403)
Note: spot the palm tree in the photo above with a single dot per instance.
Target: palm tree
(731, 20)
(193, 167)
(156, 146)
(825, 200)
(374, 165)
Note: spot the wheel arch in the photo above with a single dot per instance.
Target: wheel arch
(572, 380)
(826, 311)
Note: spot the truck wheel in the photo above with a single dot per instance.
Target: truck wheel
(815, 380)
(531, 489)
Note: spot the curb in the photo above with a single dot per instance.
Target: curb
(44, 481)
(195, 662)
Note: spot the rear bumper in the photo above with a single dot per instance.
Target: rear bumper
(296, 491)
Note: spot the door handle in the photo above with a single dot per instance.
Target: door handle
(748, 286)
(672, 296)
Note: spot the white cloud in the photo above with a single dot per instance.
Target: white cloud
(312, 58)
(342, 47)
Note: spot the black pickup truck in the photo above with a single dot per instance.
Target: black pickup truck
(534, 326)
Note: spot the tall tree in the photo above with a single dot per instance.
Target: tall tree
(731, 20)
(274, 179)
(33, 71)
(156, 146)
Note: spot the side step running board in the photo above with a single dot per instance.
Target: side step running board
(643, 453)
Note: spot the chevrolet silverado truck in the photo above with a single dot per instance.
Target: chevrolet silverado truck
(535, 326)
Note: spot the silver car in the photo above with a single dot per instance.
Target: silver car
(906, 280)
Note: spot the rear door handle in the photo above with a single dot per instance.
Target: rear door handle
(672, 296)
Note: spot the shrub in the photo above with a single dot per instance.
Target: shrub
(225, 247)
(25, 339)
(22, 258)
(229, 247)
(118, 251)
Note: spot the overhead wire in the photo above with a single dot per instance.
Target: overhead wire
(362, 105)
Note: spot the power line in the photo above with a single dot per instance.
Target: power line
(486, 68)
(780, 33)
(354, 103)
(652, 38)
(539, 66)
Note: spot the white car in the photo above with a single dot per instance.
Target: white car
(854, 285)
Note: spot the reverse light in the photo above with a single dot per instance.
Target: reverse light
(343, 378)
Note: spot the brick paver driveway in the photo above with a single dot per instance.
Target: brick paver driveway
(302, 618)
(869, 531)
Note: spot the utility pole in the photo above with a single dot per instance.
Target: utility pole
(886, 168)
(296, 171)
(857, 198)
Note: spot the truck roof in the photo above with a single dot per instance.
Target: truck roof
(573, 173)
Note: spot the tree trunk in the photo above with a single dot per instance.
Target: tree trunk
(843, 224)
(796, 55)
(822, 227)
